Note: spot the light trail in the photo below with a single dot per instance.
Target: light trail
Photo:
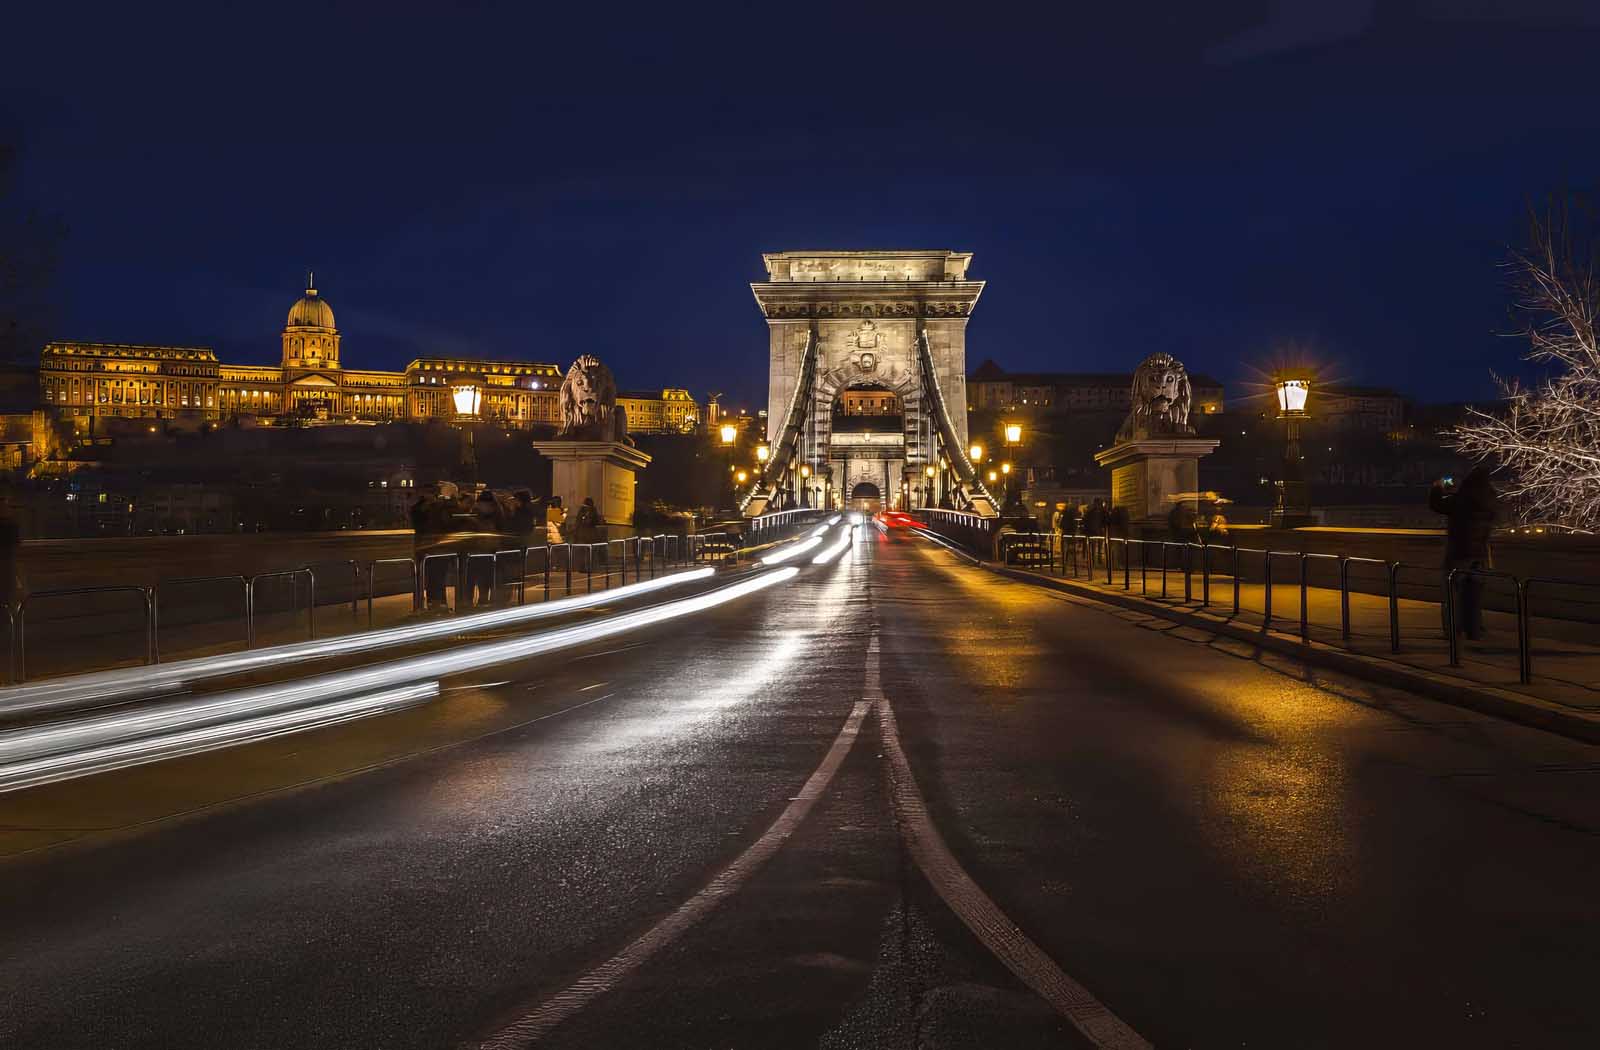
(780, 556)
(129, 683)
(120, 754)
(118, 734)
(838, 547)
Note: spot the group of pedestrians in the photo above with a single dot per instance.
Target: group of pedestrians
(446, 520)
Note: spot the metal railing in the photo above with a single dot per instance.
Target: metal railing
(512, 568)
(1082, 556)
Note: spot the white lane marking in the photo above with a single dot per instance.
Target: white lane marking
(974, 907)
(529, 1029)
(473, 685)
(597, 685)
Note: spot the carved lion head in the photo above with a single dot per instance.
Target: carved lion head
(587, 394)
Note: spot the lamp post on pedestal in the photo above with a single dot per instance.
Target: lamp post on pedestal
(1293, 508)
(805, 484)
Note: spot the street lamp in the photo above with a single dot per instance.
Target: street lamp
(730, 434)
(805, 485)
(976, 452)
(1013, 433)
(763, 452)
(927, 491)
(1294, 496)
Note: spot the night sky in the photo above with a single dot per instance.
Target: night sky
(543, 180)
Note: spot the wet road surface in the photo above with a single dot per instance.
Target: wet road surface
(1216, 849)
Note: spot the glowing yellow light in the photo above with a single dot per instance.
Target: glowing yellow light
(993, 476)
(729, 432)
(1292, 394)
(805, 471)
(743, 477)
(929, 471)
(976, 451)
(763, 453)
(1005, 468)
(1013, 433)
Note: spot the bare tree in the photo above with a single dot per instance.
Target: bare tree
(1545, 439)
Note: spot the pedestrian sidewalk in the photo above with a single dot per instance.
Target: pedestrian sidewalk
(1563, 694)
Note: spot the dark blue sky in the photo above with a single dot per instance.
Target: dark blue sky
(537, 182)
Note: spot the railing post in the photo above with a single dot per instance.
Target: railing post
(152, 653)
(1108, 555)
(1305, 618)
(311, 604)
(1450, 616)
(1524, 633)
(1344, 597)
(1236, 579)
(1188, 575)
(22, 640)
(1266, 604)
(1163, 570)
(372, 585)
(355, 589)
(1394, 607)
(250, 613)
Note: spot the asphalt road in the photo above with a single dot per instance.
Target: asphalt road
(1210, 847)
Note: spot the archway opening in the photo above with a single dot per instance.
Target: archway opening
(864, 496)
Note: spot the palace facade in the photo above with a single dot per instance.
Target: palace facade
(85, 381)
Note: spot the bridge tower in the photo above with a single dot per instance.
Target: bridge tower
(867, 381)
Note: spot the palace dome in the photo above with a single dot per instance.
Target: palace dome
(311, 311)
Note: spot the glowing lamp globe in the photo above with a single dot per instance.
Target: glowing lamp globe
(1293, 393)
(1013, 433)
(729, 432)
(467, 399)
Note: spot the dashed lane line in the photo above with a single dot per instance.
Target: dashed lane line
(533, 1026)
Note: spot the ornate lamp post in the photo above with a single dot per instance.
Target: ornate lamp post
(730, 434)
(1013, 439)
(805, 484)
(1294, 497)
(927, 489)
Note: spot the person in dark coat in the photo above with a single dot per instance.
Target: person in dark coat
(430, 520)
(523, 519)
(1469, 512)
(1094, 525)
(486, 534)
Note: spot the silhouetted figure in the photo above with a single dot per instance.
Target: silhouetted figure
(430, 520)
(588, 521)
(555, 516)
(523, 519)
(1469, 513)
(1094, 524)
(486, 535)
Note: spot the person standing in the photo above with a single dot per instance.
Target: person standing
(522, 518)
(1094, 526)
(555, 516)
(1469, 513)
(485, 540)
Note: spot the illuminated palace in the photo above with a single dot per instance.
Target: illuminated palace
(85, 381)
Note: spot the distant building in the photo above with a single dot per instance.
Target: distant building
(1041, 393)
(670, 411)
(1376, 409)
(85, 381)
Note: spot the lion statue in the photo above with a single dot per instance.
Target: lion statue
(1161, 398)
(589, 409)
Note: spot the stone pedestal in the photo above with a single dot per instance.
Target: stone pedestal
(1150, 474)
(599, 470)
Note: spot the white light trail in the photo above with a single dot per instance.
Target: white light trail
(836, 519)
(837, 549)
(780, 556)
(31, 750)
(120, 754)
(129, 683)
